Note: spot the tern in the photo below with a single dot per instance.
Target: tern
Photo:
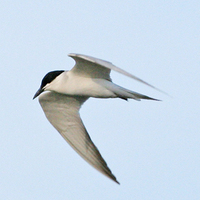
(66, 93)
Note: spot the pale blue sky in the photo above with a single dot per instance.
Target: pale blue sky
(153, 148)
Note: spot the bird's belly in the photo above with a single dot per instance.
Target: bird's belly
(83, 86)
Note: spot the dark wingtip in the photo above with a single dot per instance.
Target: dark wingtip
(113, 178)
(117, 182)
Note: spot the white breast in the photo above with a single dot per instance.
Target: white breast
(71, 84)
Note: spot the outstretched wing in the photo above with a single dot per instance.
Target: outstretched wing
(62, 111)
(90, 67)
(96, 68)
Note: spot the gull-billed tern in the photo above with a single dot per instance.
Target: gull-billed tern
(68, 90)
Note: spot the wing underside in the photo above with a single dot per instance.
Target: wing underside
(62, 111)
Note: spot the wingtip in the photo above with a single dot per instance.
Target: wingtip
(113, 178)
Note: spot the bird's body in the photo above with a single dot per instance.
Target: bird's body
(73, 84)
(68, 90)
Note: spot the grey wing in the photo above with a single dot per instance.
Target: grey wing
(90, 67)
(97, 68)
(62, 111)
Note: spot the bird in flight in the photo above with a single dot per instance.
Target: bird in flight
(66, 93)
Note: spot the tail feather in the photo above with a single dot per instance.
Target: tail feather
(126, 94)
(141, 96)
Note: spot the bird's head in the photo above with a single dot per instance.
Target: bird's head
(47, 80)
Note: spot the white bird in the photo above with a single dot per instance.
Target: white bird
(68, 90)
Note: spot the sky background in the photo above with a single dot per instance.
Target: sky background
(153, 148)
